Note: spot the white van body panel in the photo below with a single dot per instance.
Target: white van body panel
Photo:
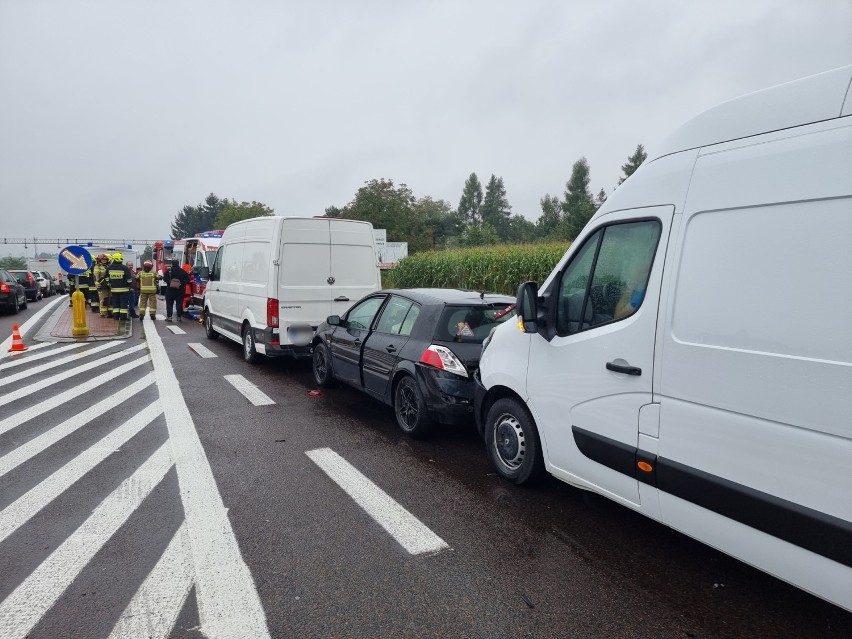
(744, 403)
(289, 259)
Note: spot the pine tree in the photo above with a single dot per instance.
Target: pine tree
(600, 198)
(496, 209)
(471, 200)
(633, 162)
(578, 204)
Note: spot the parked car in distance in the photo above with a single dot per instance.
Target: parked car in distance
(29, 282)
(413, 349)
(43, 283)
(13, 296)
(51, 283)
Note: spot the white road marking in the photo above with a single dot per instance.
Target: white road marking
(13, 421)
(35, 370)
(155, 607)
(62, 378)
(176, 330)
(26, 357)
(202, 350)
(26, 451)
(26, 326)
(21, 610)
(408, 531)
(27, 505)
(249, 390)
(228, 603)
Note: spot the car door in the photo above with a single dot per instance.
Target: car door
(588, 383)
(347, 339)
(383, 346)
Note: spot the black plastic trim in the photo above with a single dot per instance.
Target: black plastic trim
(807, 528)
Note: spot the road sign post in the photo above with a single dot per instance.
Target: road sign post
(75, 260)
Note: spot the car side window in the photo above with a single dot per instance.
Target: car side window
(393, 315)
(409, 321)
(361, 315)
(606, 279)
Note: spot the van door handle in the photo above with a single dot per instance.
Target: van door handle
(625, 368)
(342, 298)
(390, 348)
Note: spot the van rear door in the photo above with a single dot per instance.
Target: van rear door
(353, 271)
(303, 286)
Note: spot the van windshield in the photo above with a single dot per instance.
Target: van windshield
(471, 324)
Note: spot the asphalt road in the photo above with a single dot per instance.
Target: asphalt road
(549, 561)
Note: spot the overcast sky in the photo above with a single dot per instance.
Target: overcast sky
(114, 115)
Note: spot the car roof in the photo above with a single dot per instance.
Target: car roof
(449, 296)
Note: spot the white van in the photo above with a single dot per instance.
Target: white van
(275, 279)
(690, 356)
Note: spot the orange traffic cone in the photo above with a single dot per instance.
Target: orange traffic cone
(17, 342)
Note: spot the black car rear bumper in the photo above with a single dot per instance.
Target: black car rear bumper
(448, 397)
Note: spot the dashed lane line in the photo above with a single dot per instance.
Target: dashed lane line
(228, 602)
(155, 607)
(202, 350)
(35, 370)
(27, 505)
(63, 377)
(176, 330)
(249, 390)
(13, 421)
(26, 357)
(409, 532)
(22, 610)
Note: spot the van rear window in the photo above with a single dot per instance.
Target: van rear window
(471, 324)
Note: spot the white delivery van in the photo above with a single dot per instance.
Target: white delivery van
(690, 356)
(275, 279)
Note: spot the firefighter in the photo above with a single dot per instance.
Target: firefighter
(147, 280)
(120, 281)
(84, 285)
(102, 284)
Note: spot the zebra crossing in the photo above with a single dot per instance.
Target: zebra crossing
(92, 437)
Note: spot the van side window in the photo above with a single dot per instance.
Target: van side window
(606, 279)
(217, 264)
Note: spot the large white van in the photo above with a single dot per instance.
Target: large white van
(275, 279)
(690, 356)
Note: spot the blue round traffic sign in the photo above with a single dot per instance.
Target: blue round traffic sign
(75, 260)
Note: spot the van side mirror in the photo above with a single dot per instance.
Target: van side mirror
(527, 305)
(333, 320)
(203, 272)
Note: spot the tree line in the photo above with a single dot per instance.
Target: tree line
(483, 216)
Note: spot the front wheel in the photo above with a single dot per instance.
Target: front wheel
(250, 353)
(208, 325)
(410, 409)
(323, 374)
(512, 442)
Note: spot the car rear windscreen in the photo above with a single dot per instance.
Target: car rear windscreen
(471, 324)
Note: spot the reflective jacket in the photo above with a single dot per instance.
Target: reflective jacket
(119, 278)
(147, 281)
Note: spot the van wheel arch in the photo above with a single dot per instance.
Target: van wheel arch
(250, 353)
(512, 440)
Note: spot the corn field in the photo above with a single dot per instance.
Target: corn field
(499, 269)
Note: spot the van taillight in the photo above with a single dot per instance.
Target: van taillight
(271, 312)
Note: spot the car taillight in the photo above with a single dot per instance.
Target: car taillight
(4, 288)
(443, 358)
(271, 312)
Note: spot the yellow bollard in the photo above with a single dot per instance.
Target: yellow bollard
(78, 310)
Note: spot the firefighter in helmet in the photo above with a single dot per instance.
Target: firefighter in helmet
(99, 272)
(120, 281)
(147, 280)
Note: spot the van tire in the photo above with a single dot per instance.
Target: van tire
(512, 442)
(208, 325)
(323, 373)
(410, 409)
(250, 353)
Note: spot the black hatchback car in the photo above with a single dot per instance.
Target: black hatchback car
(29, 282)
(13, 295)
(413, 349)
